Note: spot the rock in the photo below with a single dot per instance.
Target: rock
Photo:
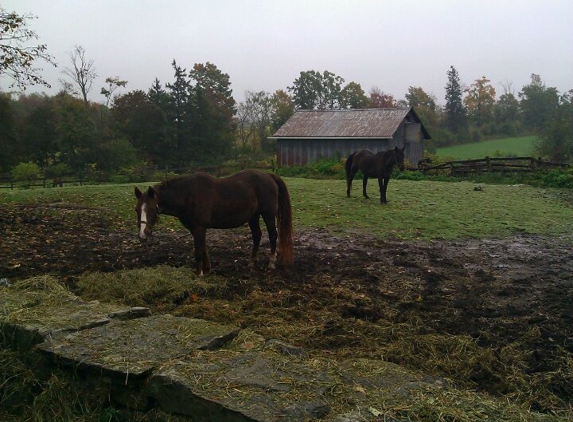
(129, 350)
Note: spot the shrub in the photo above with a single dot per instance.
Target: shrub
(556, 178)
(26, 172)
(58, 170)
(142, 172)
(329, 168)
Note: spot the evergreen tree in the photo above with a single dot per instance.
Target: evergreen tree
(455, 114)
(179, 115)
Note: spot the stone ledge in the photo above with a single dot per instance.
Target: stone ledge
(128, 351)
(40, 308)
(190, 367)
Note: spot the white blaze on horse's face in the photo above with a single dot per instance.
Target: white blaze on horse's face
(143, 222)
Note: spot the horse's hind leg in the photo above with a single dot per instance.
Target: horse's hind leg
(202, 261)
(206, 261)
(273, 236)
(349, 177)
(255, 226)
(384, 189)
(364, 183)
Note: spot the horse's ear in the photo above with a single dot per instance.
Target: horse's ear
(403, 148)
(151, 192)
(137, 192)
(396, 148)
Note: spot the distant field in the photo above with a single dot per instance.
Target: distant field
(417, 209)
(523, 146)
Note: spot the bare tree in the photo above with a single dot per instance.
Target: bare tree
(82, 72)
(254, 119)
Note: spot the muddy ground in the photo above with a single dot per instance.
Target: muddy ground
(496, 315)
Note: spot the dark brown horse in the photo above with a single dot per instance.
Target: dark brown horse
(203, 202)
(378, 165)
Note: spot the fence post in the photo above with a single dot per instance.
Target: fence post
(488, 164)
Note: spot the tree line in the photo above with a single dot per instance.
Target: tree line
(195, 120)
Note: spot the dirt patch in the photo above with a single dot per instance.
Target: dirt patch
(491, 314)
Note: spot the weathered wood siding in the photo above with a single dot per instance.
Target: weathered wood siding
(300, 152)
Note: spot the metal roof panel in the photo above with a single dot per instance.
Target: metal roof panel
(367, 123)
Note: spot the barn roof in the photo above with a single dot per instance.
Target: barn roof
(379, 123)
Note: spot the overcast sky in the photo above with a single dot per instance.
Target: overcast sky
(265, 44)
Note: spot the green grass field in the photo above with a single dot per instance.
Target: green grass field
(417, 209)
(523, 146)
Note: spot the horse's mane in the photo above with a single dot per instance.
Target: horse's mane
(178, 181)
(385, 154)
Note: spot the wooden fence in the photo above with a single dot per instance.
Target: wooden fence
(490, 165)
(7, 182)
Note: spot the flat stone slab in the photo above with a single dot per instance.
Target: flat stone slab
(254, 386)
(130, 350)
(38, 308)
(268, 386)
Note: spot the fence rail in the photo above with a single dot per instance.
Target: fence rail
(491, 165)
(8, 182)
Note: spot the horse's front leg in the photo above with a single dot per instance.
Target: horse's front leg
(256, 232)
(202, 261)
(364, 183)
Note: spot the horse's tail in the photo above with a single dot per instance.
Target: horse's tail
(284, 223)
(348, 164)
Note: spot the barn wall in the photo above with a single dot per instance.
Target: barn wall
(414, 142)
(299, 152)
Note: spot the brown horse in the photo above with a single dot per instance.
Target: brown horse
(378, 165)
(202, 202)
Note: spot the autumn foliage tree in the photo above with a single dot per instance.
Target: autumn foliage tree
(19, 52)
(425, 105)
(379, 99)
(480, 101)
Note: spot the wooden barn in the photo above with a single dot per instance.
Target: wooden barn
(311, 135)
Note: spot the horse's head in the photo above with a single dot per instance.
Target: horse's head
(399, 157)
(147, 210)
